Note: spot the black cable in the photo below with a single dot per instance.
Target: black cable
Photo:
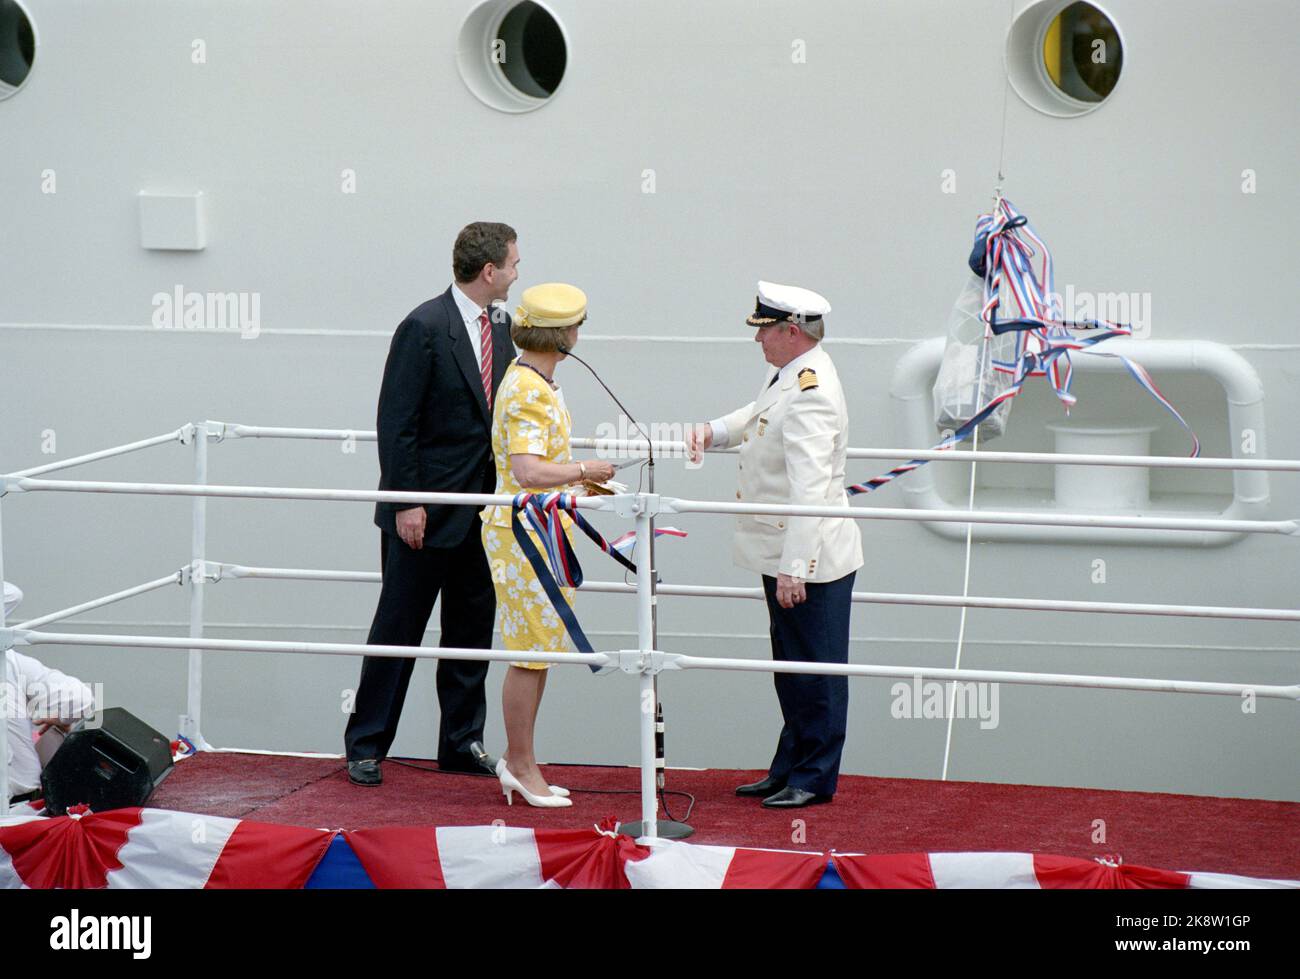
(437, 771)
(583, 764)
(650, 449)
(663, 793)
(690, 808)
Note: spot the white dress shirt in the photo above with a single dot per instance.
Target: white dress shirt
(470, 311)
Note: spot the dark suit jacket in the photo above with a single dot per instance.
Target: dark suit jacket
(434, 425)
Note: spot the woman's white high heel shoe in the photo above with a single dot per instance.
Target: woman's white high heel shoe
(511, 785)
(555, 789)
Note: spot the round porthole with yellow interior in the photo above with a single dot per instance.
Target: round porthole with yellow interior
(1064, 58)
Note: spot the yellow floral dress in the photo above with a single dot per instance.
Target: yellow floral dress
(528, 418)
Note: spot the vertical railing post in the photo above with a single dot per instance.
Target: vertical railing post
(645, 643)
(190, 721)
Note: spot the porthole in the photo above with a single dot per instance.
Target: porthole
(512, 54)
(1064, 58)
(17, 47)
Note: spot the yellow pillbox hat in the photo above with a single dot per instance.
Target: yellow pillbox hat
(556, 304)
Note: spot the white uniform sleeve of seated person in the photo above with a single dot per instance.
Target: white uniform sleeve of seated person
(808, 438)
(44, 693)
(20, 729)
(52, 694)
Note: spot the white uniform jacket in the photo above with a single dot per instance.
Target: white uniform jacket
(792, 440)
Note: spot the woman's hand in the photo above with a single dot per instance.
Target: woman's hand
(533, 472)
(598, 471)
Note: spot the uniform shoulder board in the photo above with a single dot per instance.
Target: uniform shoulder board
(807, 379)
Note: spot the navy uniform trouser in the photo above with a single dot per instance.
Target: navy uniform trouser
(815, 708)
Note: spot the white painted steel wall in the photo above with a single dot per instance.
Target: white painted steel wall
(825, 174)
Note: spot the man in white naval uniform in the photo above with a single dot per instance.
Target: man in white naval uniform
(41, 698)
(792, 441)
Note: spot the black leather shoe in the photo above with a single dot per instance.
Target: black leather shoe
(761, 788)
(365, 772)
(792, 798)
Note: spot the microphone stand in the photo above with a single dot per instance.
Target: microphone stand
(668, 829)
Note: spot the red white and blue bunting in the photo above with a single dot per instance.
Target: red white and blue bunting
(156, 848)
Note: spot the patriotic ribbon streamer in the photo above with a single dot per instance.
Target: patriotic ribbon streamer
(1040, 328)
(626, 544)
(542, 514)
(1043, 341)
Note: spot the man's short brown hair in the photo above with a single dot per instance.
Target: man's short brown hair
(477, 245)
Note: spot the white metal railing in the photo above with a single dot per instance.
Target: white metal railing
(668, 448)
(220, 571)
(34, 638)
(645, 661)
(183, 434)
(674, 449)
(663, 504)
(175, 578)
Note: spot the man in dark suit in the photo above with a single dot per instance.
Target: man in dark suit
(435, 413)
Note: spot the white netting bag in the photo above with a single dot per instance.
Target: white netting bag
(967, 380)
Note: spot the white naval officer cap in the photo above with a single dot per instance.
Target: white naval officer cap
(776, 303)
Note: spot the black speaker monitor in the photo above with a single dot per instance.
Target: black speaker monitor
(113, 761)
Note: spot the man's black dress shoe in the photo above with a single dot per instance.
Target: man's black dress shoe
(762, 788)
(792, 798)
(365, 772)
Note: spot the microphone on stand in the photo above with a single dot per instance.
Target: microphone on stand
(668, 829)
(649, 446)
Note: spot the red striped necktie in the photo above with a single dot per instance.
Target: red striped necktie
(485, 347)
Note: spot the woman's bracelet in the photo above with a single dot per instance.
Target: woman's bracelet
(582, 470)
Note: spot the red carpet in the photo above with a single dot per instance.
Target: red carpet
(869, 815)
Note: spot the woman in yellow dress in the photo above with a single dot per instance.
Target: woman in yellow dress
(530, 442)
